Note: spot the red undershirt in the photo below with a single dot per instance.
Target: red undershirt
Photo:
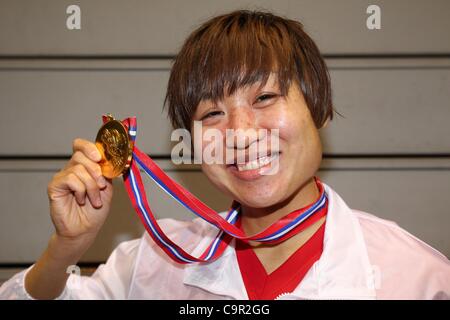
(284, 279)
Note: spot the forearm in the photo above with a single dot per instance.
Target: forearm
(47, 279)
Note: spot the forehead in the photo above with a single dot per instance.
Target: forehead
(271, 81)
(251, 92)
(231, 53)
(220, 63)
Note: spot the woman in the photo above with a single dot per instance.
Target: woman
(242, 70)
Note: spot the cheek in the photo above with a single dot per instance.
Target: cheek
(298, 136)
(288, 121)
(209, 141)
(210, 173)
(217, 176)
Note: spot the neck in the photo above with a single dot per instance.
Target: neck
(255, 220)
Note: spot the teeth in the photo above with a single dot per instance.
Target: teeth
(256, 164)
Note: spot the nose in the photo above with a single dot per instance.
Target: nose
(242, 129)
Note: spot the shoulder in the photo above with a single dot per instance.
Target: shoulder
(407, 266)
(388, 235)
(155, 270)
(186, 234)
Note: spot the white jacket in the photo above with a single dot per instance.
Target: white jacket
(364, 257)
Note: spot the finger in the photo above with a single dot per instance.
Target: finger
(92, 167)
(72, 183)
(87, 148)
(92, 190)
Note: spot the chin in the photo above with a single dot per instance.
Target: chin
(258, 203)
(259, 197)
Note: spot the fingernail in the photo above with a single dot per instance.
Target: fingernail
(101, 181)
(96, 155)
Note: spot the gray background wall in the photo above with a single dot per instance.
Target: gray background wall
(390, 155)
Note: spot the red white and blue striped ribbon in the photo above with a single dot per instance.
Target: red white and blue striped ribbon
(278, 232)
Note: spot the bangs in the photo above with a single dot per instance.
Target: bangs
(240, 49)
(242, 53)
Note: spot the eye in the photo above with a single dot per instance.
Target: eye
(265, 97)
(211, 114)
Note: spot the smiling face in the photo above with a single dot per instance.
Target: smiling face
(255, 70)
(299, 150)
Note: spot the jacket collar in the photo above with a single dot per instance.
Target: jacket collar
(342, 272)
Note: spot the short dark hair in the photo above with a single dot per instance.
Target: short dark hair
(242, 48)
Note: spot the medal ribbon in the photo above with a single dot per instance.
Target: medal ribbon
(278, 232)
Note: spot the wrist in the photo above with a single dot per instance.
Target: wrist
(68, 251)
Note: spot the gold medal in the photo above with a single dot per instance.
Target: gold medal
(115, 147)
